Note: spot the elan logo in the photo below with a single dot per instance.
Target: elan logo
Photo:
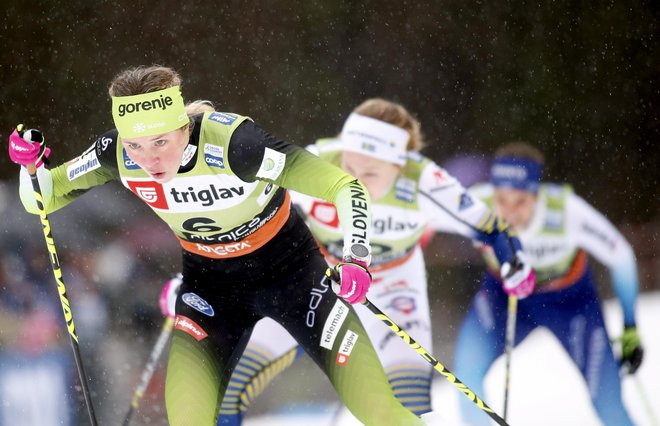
(158, 103)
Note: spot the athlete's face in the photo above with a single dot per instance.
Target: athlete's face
(158, 155)
(377, 175)
(515, 206)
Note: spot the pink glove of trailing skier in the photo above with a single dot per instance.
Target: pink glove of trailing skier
(518, 280)
(354, 277)
(27, 146)
(168, 296)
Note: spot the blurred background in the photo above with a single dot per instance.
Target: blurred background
(579, 80)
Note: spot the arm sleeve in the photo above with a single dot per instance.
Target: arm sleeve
(254, 154)
(68, 181)
(453, 209)
(304, 202)
(593, 232)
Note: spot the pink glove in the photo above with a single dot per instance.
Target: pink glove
(518, 280)
(168, 296)
(354, 280)
(27, 146)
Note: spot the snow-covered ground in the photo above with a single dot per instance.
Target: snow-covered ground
(545, 388)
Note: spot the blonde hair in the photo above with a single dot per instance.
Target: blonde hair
(139, 80)
(199, 106)
(520, 150)
(396, 114)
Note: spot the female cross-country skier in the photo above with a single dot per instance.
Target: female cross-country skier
(379, 145)
(217, 179)
(557, 229)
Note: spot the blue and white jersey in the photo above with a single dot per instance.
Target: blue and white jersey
(563, 227)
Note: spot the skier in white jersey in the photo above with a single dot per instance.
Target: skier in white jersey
(379, 145)
(557, 229)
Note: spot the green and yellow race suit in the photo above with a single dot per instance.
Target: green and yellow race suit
(246, 255)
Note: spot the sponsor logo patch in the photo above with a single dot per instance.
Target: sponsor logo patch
(383, 225)
(188, 154)
(184, 323)
(332, 324)
(214, 155)
(223, 118)
(439, 176)
(207, 196)
(396, 287)
(316, 295)
(261, 199)
(198, 304)
(403, 304)
(272, 164)
(18, 147)
(224, 249)
(405, 190)
(325, 213)
(192, 194)
(346, 347)
(128, 163)
(82, 165)
(465, 201)
(159, 103)
(150, 192)
(104, 142)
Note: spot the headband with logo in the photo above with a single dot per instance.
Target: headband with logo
(149, 114)
(375, 138)
(517, 173)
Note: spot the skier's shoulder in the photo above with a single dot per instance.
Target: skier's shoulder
(329, 149)
(482, 190)
(105, 147)
(557, 195)
(417, 165)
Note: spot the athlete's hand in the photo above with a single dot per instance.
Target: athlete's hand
(354, 280)
(168, 296)
(518, 276)
(27, 146)
(632, 352)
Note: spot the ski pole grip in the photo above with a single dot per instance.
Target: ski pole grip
(31, 168)
(334, 277)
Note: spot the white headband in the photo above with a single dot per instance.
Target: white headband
(375, 138)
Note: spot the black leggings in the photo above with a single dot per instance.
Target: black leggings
(221, 300)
